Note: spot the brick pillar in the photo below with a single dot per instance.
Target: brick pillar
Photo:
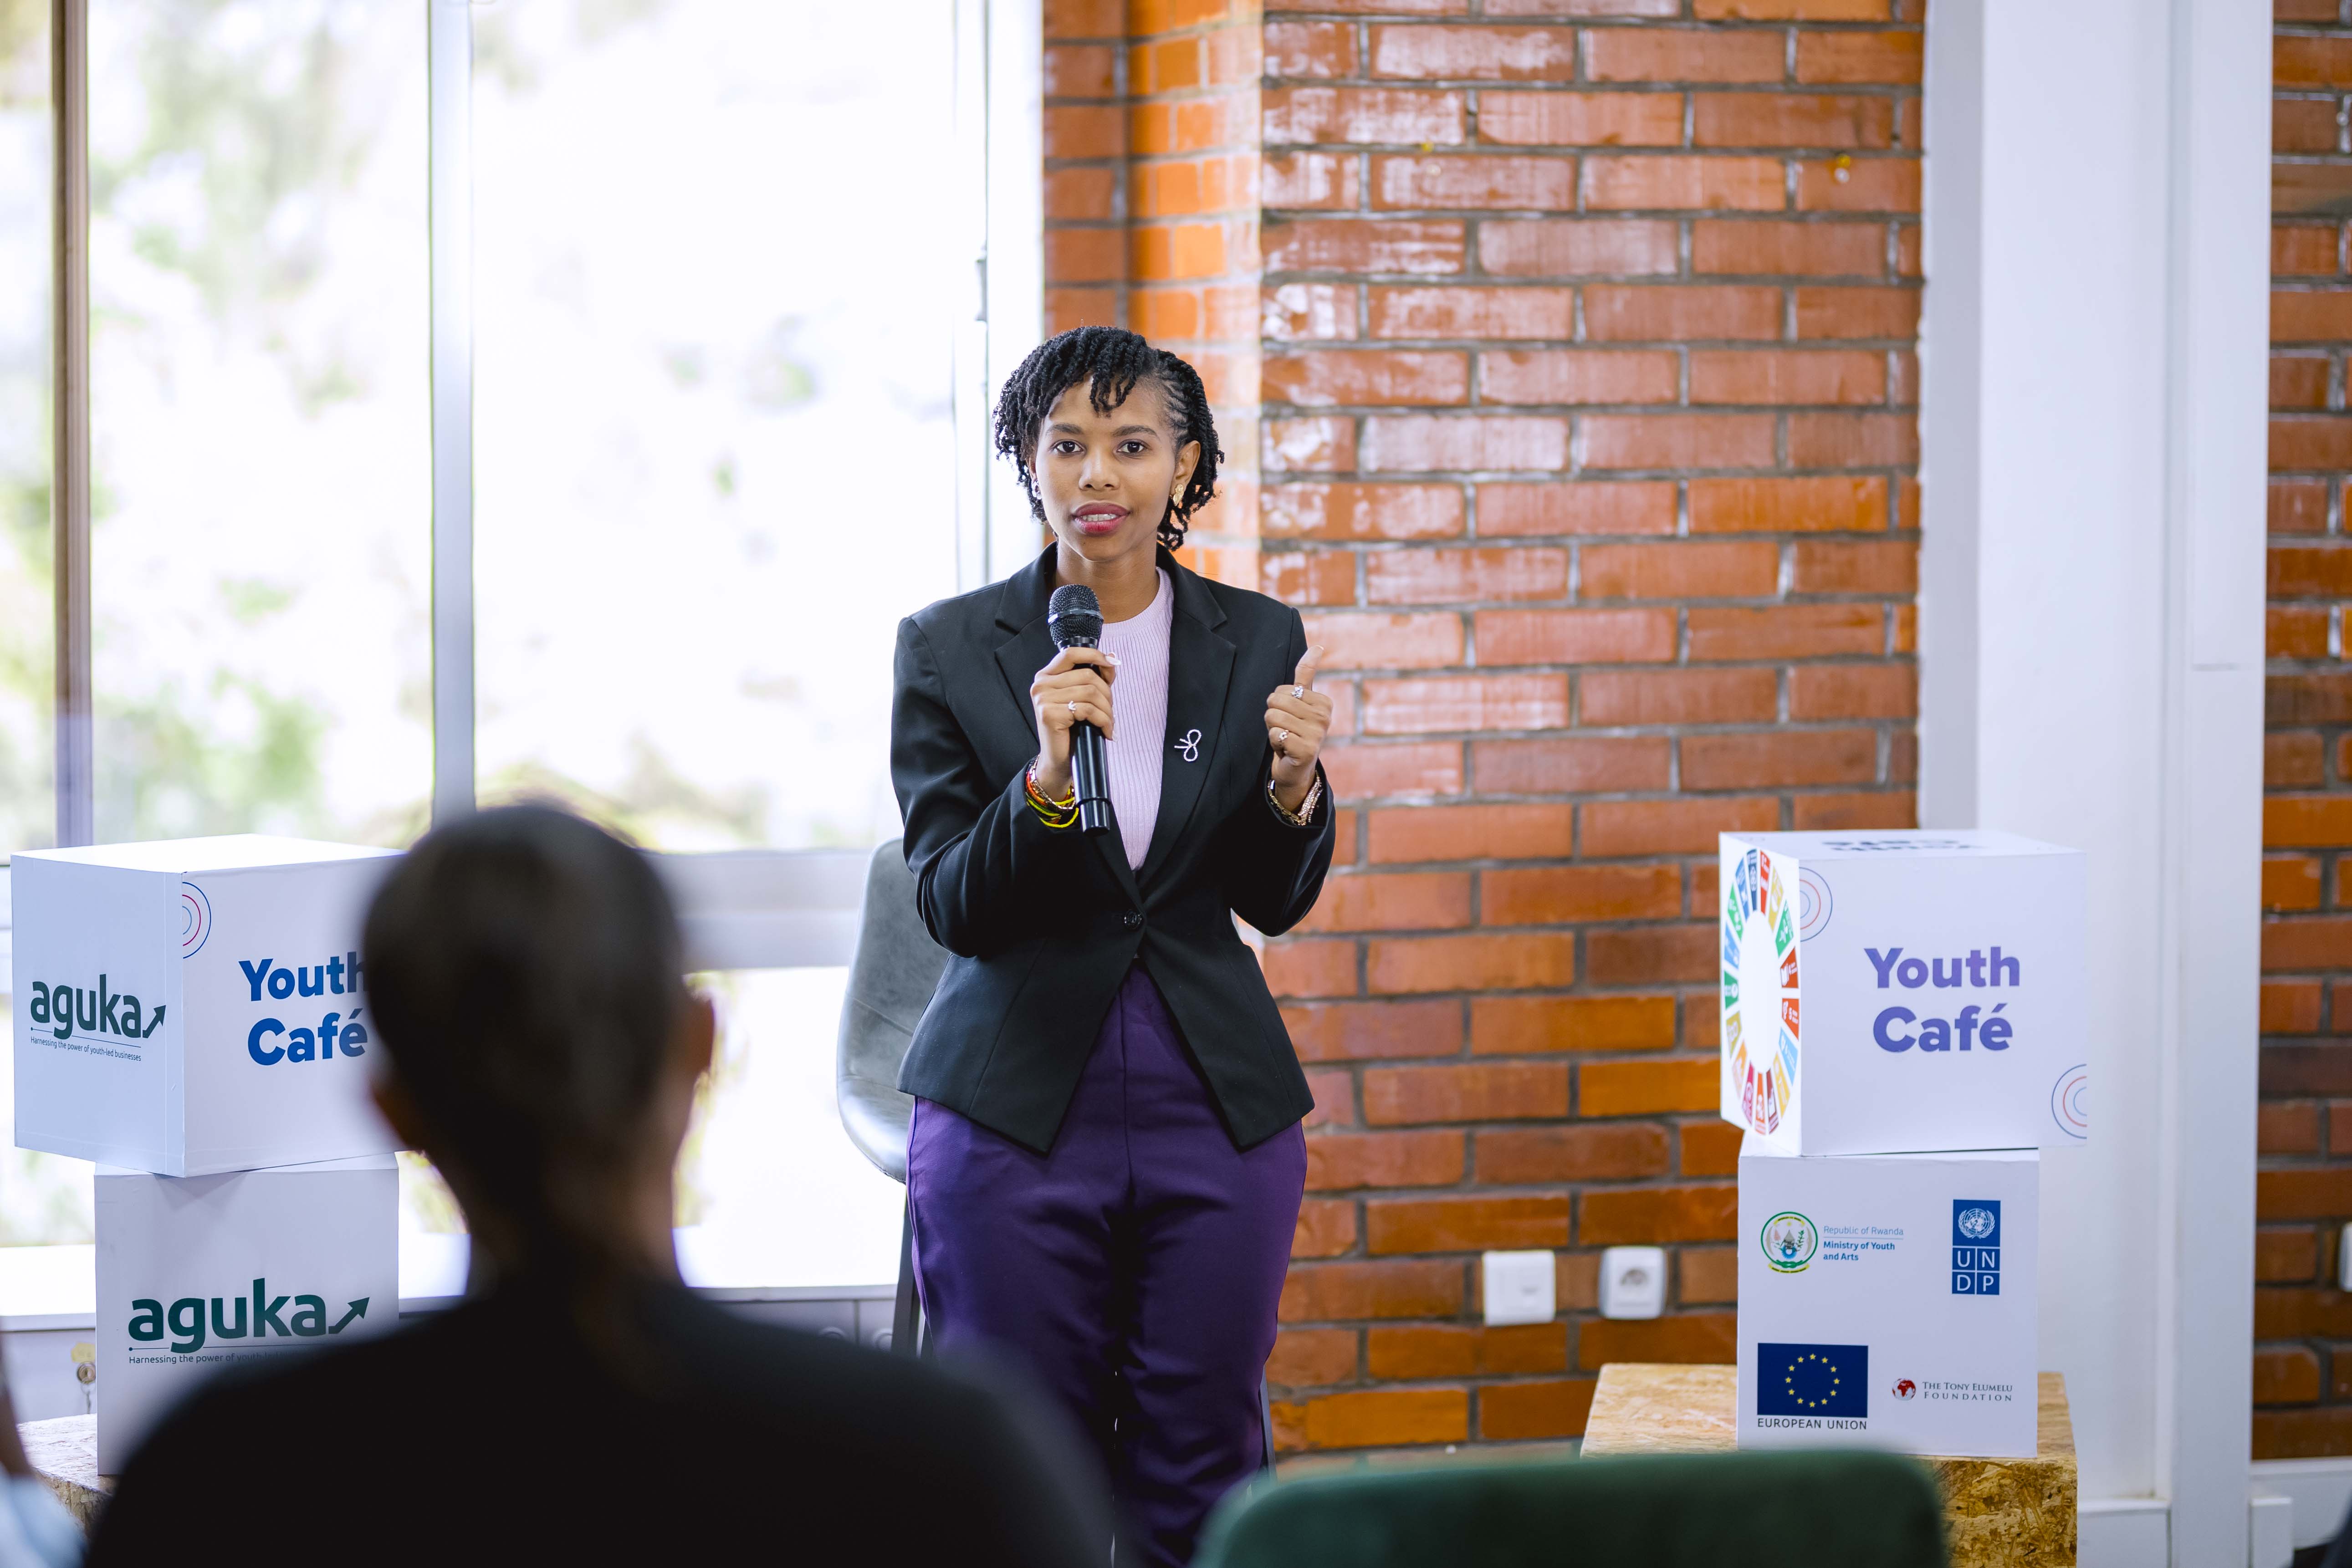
(2302, 1398)
(1086, 164)
(1193, 71)
(1151, 211)
(1585, 371)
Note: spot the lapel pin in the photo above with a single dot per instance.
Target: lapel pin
(1190, 745)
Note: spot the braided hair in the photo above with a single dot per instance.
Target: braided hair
(1111, 361)
(527, 976)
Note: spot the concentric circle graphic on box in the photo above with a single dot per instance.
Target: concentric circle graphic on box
(195, 920)
(1789, 1241)
(1759, 987)
(2069, 1101)
(1814, 904)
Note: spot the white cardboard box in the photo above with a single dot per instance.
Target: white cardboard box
(198, 1271)
(1888, 1299)
(1892, 991)
(195, 1006)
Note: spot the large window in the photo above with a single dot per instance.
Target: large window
(714, 456)
(261, 455)
(42, 1199)
(709, 381)
(28, 807)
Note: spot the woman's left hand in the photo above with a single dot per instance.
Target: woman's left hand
(1297, 717)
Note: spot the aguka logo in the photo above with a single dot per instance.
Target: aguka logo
(270, 1041)
(186, 1319)
(96, 1011)
(1971, 1026)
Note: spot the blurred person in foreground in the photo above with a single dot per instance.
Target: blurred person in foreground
(582, 1405)
(35, 1531)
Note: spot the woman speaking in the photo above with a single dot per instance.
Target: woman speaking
(1105, 1161)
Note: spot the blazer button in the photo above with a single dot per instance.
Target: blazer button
(1132, 920)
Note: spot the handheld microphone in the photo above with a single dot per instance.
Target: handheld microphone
(1074, 617)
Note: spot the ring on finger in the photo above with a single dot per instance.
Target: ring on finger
(1300, 693)
(1074, 704)
(1280, 736)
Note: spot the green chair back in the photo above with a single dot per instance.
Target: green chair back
(1821, 1509)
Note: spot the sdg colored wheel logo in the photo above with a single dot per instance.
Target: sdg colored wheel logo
(1759, 988)
(195, 918)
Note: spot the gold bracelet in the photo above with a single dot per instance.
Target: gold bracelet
(1305, 815)
(1036, 792)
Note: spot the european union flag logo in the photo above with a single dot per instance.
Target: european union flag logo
(1813, 1380)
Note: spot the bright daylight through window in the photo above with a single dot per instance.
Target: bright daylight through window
(713, 459)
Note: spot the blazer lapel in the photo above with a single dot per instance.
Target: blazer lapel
(1021, 605)
(1200, 671)
(1021, 610)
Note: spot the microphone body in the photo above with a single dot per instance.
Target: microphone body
(1074, 617)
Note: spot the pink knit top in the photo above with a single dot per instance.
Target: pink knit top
(1139, 697)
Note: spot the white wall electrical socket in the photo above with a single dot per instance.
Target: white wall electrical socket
(1519, 1288)
(1633, 1281)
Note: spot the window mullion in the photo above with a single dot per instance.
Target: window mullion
(449, 31)
(69, 418)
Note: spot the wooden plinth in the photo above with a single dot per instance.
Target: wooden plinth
(1999, 1513)
(66, 1453)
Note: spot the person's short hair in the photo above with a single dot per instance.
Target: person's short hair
(1110, 361)
(525, 976)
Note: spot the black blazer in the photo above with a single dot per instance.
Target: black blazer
(1043, 925)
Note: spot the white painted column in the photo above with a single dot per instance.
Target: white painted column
(1016, 246)
(2091, 646)
(449, 34)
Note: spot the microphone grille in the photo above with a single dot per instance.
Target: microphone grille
(1073, 615)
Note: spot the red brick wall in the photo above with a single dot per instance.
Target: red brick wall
(1151, 210)
(1086, 164)
(2303, 1395)
(1586, 373)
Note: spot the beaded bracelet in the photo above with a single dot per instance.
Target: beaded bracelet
(1054, 813)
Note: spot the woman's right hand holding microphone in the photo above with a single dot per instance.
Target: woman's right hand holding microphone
(1074, 688)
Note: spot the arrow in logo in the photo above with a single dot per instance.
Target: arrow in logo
(358, 1310)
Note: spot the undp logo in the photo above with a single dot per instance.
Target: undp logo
(1975, 1247)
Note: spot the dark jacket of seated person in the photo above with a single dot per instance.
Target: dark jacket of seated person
(524, 972)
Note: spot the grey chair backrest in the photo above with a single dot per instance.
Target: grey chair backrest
(892, 974)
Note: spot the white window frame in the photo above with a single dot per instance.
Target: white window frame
(744, 909)
(748, 908)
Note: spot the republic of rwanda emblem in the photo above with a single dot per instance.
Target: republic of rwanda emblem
(1789, 1242)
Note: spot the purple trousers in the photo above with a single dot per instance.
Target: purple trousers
(1134, 1270)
